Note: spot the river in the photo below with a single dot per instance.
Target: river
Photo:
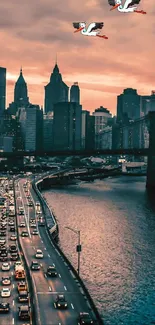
(117, 222)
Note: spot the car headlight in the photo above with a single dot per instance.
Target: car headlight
(58, 305)
(65, 305)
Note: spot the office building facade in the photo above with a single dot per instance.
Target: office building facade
(2, 90)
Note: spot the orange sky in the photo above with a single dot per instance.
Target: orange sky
(32, 31)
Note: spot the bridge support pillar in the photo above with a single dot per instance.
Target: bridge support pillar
(150, 182)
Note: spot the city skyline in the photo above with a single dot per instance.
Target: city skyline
(40, 32)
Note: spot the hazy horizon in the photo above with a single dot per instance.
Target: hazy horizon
(33, 32)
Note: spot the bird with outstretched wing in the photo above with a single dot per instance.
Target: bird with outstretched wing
(91, 30)
(127, 4)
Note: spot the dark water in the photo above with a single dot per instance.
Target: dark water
(117, 222)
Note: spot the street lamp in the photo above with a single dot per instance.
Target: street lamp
(78, 247)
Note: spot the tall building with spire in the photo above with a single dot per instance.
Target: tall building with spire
(20, 95)
(55, 91)
(20, 92)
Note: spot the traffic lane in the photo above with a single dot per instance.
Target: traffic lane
(52, 316)
(67, 277)
(58, 286)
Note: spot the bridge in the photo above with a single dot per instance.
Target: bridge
(84, 153)
(136, 138)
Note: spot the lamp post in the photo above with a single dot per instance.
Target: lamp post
(78, 247)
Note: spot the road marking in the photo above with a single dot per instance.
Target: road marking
(65, 288)
(13, 285)
(41, 241)
(59, 275)
(12, 273)
(13, 320)
(49, 255)
(58, 252)
(72, 306)
(41, 265)
(50, 289)
(45, 248)
(13, 302)
(65, 263)
(45, 275)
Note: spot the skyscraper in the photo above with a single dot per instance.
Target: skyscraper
(75, 93)
(88, 130)
(128, 106)
(2, 90)
(102, 117)
(55, 91)
(20, 92)
(67, 126)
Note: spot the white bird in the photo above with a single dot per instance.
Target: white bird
(81, 27)
(128, 6)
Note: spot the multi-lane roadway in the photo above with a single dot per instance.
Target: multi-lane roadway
(47, 288)
(8, 221)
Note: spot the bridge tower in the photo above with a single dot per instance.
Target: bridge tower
(150, 182)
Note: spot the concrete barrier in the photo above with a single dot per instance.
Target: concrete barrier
(77, 277)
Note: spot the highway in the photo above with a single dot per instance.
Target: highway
(10, 318)
(46, 289)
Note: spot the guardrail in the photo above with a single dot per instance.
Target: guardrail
(33, 302)
(86, 293)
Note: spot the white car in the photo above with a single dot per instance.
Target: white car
(5, 267)
(5, 292)
(17, 263)
(13, 237)
(39, 254)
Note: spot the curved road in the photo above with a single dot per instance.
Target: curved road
(46, 289)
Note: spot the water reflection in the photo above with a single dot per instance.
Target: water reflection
(117, 222)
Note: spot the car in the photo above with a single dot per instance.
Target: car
(3, 233)
(11, 223)
(4, 307)
(23, 296)
(6, 280)
(2, 242)
(3, 257)
(12, 229)
(5, 267)
(13, 249)
(14, 256)
(33, 225)
(24, 312)
(51, 271)
(60, 302)
(22, 286)
(5, 292)
(35, 232)
(85, 318)
(22, 224)
(13, 237)
(17, 263)
(39, 254)
(24, 234)
(35, 265)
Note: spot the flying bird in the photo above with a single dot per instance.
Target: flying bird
(91, 30)
(128, 6)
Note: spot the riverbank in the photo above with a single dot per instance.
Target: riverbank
(116, 219)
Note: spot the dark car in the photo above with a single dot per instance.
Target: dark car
(23, 296)
(3, 257)
(60, 302)
(35, 265)
(51, 271)
(4, 307)
(85, 318)
(13, 249)
(2, 233)
(24, 234)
